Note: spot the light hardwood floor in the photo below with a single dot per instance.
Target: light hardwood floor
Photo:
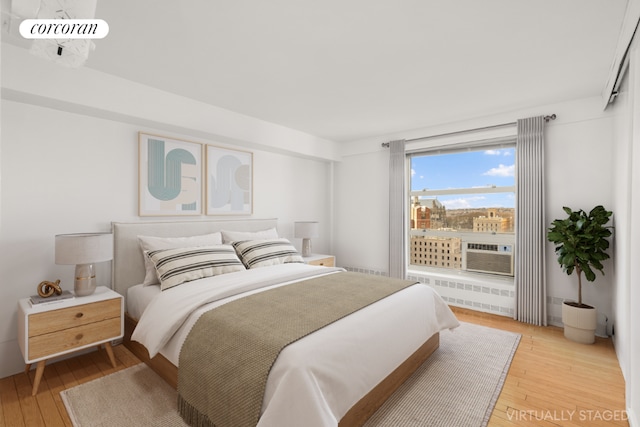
(555, 382)
(551, 382)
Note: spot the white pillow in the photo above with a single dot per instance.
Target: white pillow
(262, 253)
(152, 243)
(180, 265)
(233, 236)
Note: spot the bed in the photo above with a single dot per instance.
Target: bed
(336, 376)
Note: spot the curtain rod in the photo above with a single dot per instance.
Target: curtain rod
(546, 119)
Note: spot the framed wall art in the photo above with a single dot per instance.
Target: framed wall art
(229, 181)
(170, 176)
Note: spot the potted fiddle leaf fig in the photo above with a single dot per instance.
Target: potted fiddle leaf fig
(581, 246)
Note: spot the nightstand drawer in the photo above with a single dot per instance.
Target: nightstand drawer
(70, 338)
(325, 262)
(65, 318)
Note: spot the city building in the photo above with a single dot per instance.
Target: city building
(492, 223)
(436, 252)
(427, 214)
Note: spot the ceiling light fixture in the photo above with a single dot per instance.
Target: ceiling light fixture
(66, 50)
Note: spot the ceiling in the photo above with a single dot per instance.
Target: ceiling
(351, 69)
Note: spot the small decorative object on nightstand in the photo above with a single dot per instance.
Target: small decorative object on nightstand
(320, 259)
(83, 250)
(52, 329)
(305, 230)
(46, 288)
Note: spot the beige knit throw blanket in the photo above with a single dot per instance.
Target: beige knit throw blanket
(226, 359)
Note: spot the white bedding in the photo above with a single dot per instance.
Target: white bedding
(139, 297)
(316, 380)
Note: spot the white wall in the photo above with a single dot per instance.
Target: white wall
(579, 166)
(579, 163)
(68, 166)
(361, 211)
(626, 178)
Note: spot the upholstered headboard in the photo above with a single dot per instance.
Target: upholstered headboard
(128, 262)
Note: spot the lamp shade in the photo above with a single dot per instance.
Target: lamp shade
(305, 229)
(83, 248)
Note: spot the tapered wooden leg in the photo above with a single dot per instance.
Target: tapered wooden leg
(27, 368)
(39, 372)
(109, 349)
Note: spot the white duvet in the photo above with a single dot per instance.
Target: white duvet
(316, 380)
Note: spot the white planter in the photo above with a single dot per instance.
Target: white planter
(579, 323)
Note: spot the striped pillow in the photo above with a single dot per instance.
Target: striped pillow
(151, 243)
(176, 266)
(262, 253)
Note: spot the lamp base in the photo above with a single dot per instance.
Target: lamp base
(85, 282)
(306, 247)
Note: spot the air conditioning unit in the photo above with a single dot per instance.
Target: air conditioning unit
(489, 258)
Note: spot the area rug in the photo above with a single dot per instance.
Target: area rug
(457, 386)
(133, 397)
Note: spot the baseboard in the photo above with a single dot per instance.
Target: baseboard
(632, 418)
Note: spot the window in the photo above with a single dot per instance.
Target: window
(463, 203)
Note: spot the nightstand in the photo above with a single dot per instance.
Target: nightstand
(320, 259)
(52, 329)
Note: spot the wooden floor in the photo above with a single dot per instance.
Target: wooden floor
(555, 382)
(19, 408)
(551, 382)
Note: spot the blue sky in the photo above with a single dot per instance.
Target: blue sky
(467, 170)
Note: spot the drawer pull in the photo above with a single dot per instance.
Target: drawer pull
(79, 315)
(79, 337)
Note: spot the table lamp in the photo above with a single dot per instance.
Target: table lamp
(305, 230)
(83, 250)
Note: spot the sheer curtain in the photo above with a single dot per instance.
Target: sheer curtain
(397, 205)
(531, 293)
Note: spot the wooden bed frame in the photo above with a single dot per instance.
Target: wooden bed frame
(127, 253)
(355, 417)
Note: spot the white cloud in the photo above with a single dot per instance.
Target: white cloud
(498, 152)
(462, 203)
(501, 170)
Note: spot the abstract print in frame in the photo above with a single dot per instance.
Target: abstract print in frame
(170, 176)
(229, 180)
